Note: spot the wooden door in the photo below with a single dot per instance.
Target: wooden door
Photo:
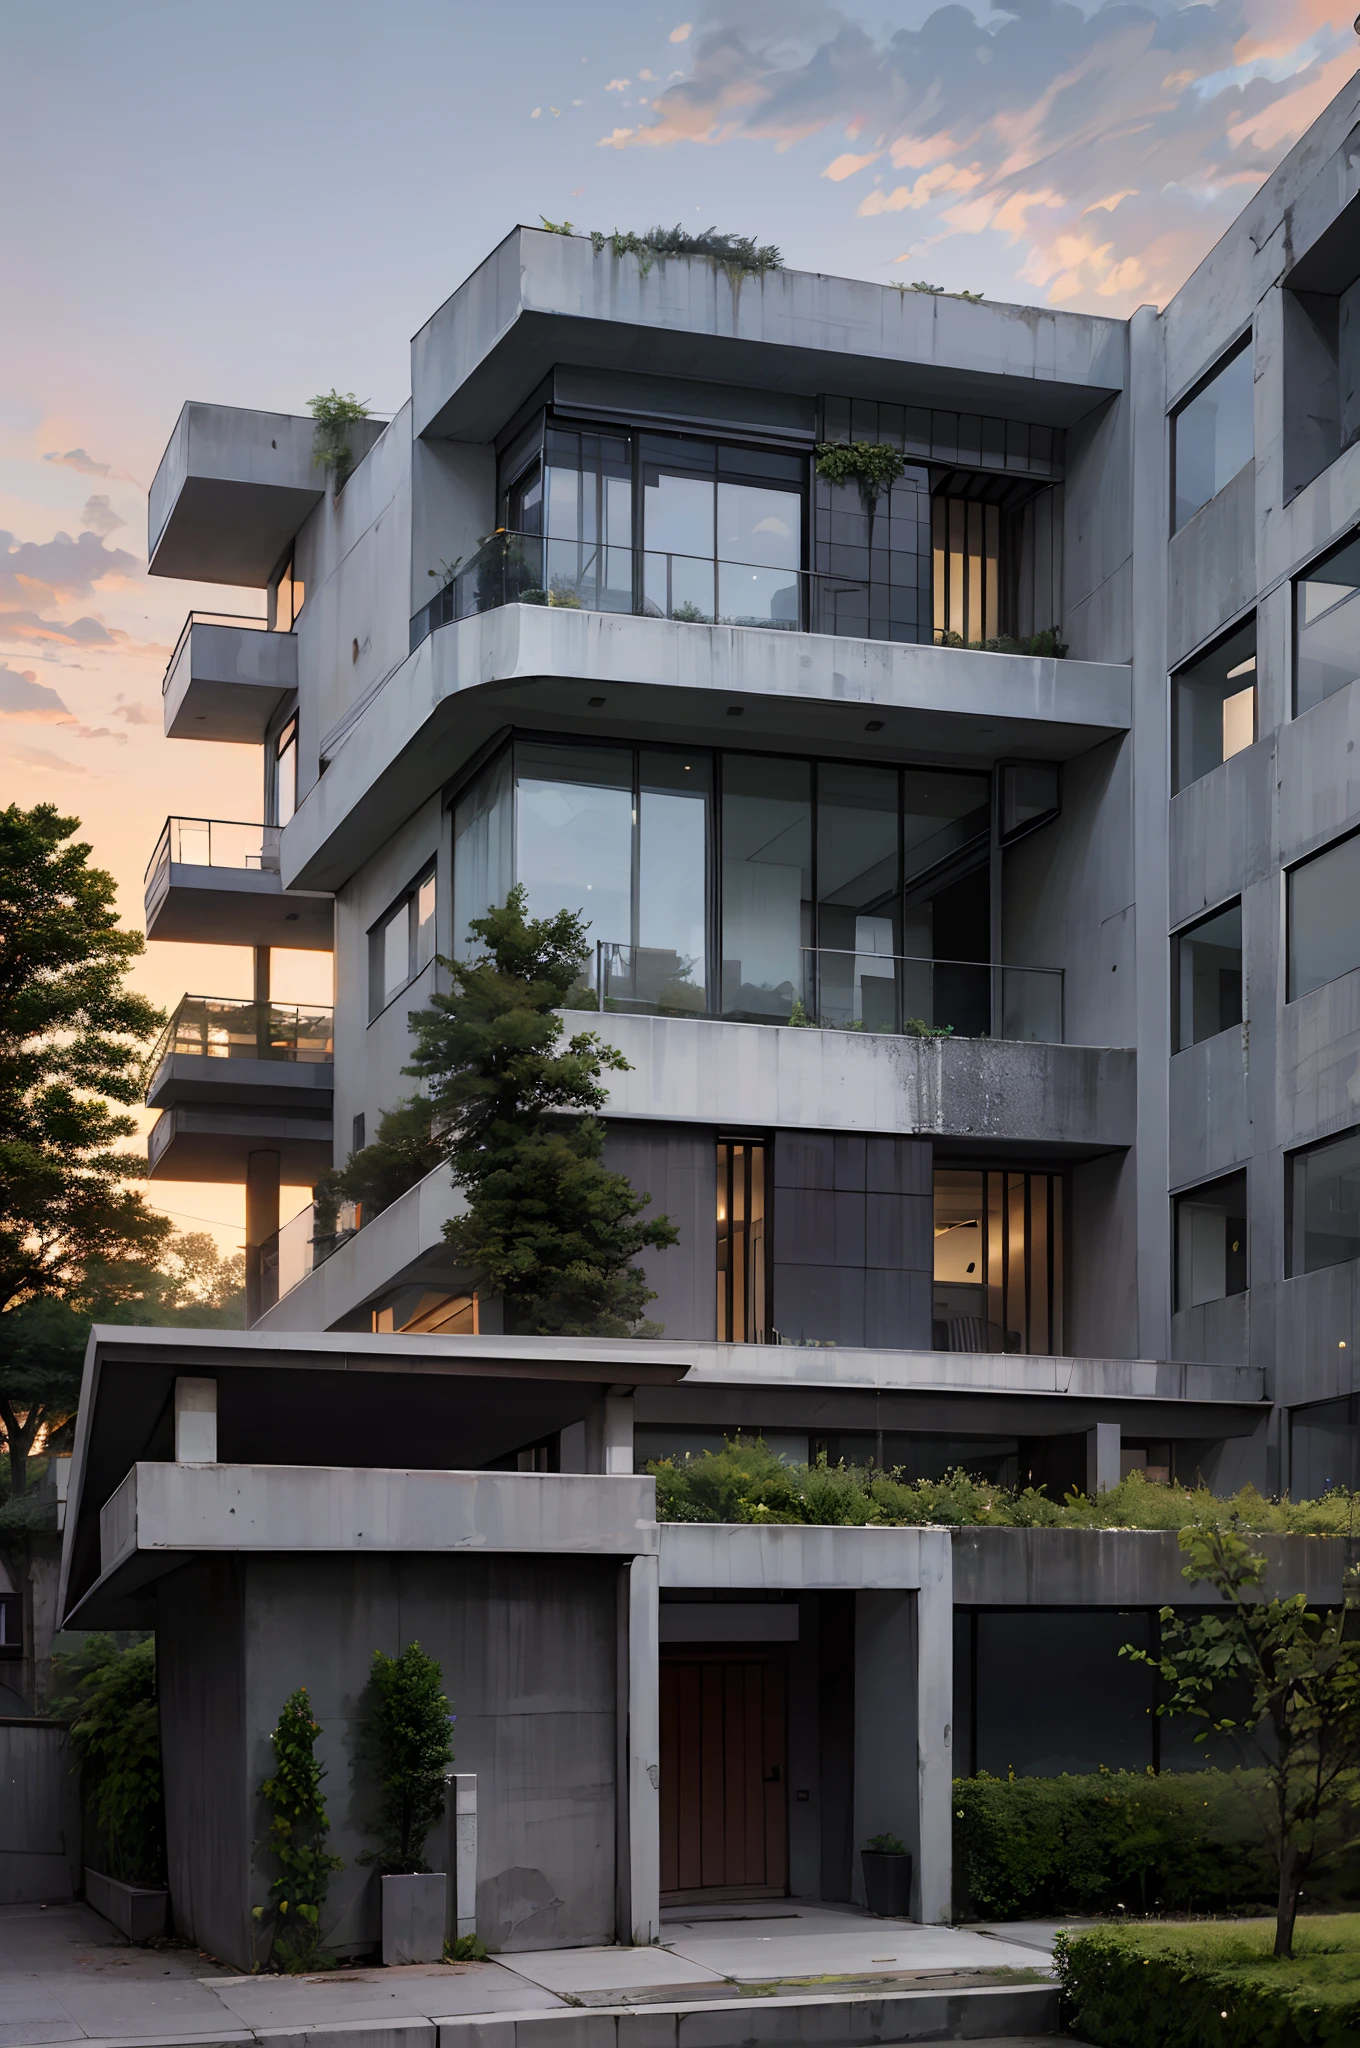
(724, 1774)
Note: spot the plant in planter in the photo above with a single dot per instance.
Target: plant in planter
(335, 412)
(298, 1826)
(886, 1863)
(406, 1739)
(874, 465)
(109, 1696)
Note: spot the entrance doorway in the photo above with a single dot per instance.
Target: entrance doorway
(724, 1774)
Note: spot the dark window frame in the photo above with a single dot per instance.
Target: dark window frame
(1186, 931)
(378, 999)
(1187, 1194)
(1301, 576)
(1291, 1158)
(1228, 356)
(1179, 781)
(1287, 876)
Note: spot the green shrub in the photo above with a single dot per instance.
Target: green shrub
(298, 1826)
(406, 1736)
(1213, 1986)
(746, 1482)
(108, 1695)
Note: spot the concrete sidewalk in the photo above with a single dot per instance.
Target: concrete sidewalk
(821, 1974)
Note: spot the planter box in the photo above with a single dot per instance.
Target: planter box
(887, 1883)
(414, 1918)
(136, 1910)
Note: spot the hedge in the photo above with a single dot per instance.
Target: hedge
(1213, 1986)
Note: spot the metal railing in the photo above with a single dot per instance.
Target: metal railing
(248, 620)
(528, 568)
(214, 843)
(839, 990)
(232, 1027)
(298, 1247)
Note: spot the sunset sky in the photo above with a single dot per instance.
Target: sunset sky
(250, 201)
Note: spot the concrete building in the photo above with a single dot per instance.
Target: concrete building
(992, 1010)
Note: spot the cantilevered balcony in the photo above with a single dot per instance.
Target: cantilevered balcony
(231, 1077)
(226, 678)
(217, 882)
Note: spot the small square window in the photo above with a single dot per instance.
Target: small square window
(1211, 1241)
(1322, 897)
(1327, 626)
(1213, 706)
(1207, 977)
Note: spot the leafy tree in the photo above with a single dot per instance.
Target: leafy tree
(404, 1150)
(406, 1736)
(298, 1826)
(548, 1226)
(1300, 1675)
(109, 1696)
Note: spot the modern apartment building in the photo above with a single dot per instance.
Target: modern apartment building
(993, 1016)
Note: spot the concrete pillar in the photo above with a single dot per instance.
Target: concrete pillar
(262, 1221)
(1102, 1458)
(262, 1002)
(644, 1752)
(618, 1434)
(195, 1422)
(933, 1878)
(463, 1890)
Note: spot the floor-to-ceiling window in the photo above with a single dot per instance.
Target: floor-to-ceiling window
(743, 1271)
(998, 1260)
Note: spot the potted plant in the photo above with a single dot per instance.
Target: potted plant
(886, 1863)
(109, 1697)
(406, 1739)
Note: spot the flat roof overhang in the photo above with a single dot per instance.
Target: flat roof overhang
(229, 678)
(539, 666)
(196, 1080)
(194, 1141)
(540, 299)
(237, 907)
(415, 1404)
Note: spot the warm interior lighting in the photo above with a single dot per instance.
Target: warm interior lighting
(1239, 720)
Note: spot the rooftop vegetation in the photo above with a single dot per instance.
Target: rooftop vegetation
(733, 252)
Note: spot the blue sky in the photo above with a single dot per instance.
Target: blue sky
(253, 200)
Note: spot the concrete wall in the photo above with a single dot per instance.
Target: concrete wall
(211, 1821)
(678, 1167)
(852, 1245)
(40, 1844)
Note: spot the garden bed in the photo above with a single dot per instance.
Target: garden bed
(1214, 1985)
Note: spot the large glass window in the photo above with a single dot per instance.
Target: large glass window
(1211, 1241)
(671, 968)
(285, 773)
(722, 532)
(401, 944)
(1213, 706)
(998, 1260)
(1207, 976)
(966, 551)
(1327, 626)
(574, 834)
(483, 850)
(1323, 917)
(859, 896)
(1212, 434)
(1323, 1191)
(743, 1276)
(766, 885)
(1324, 1448)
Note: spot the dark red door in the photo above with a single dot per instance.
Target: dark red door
(724, 1774)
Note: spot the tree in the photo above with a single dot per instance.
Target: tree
(403, 1151)
(1299, 1674)
(406, 1736)
(548, 1226)
(108, 1695)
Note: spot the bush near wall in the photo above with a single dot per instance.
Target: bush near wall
(747, 1482)
(1214, 1986)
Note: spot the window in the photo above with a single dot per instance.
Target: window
(1322, 1193)
(1206, 974)
(966, 551)
(285, 598)
(766, 885)
(1212, 434)
(1030, 797)
(1324, 1447)
(1323, 917)
(401, 944)
(722, 532)
(1213, 706)
(743, 1286)
(998, 1260)
(285, 773)
(1211, 1241)
(1327, 626)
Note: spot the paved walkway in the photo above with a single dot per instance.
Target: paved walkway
(66, 1976)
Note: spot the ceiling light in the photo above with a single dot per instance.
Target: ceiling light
(874, 725)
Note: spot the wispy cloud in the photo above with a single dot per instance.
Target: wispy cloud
(135, 714)
(57, 570)
(26, 627)
(23, 696)
(1107, 147)
(77, 459)
(39, 757)
(100, 516)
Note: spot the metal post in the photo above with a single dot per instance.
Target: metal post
(262, 1221)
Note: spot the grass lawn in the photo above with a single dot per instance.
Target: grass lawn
(1214, 1984)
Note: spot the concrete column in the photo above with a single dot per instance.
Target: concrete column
(887, 1768)
(463, 1790)
(195, 1422)
(1102, 1458)
(644, 1752)
(618, 1434)
(262, 1221)
(933, 1878)
(262, 959)
(262, 1001)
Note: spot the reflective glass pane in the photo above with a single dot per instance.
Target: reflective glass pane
(1209, 977)
(671, 969)
(1324, 1443)
(942, 813)
(285, 775)
(482, 846)
(757, 597)
(424, 915)
(1324, 918)
(1325, 1203)
(1213, 435)
(1213, 706)
(960, 1311)
(1327, 627)
(574, 835)
(396, 952)
(1211, 1241)
(766, 884)
(759, 525)
(858, 896)
(678, 513)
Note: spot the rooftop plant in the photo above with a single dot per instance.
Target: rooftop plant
(335, 412)
(739, 253)
(1045, 642)
(874, 465)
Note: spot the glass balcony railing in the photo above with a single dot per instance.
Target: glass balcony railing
(235, 1028)
(524, 568)
(213, 843)
(248, 622)
(886, 993)
(299, 1246)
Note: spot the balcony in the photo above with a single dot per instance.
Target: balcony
(217, 882)
(230, 1050)
(885, 994)
(226, 678)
